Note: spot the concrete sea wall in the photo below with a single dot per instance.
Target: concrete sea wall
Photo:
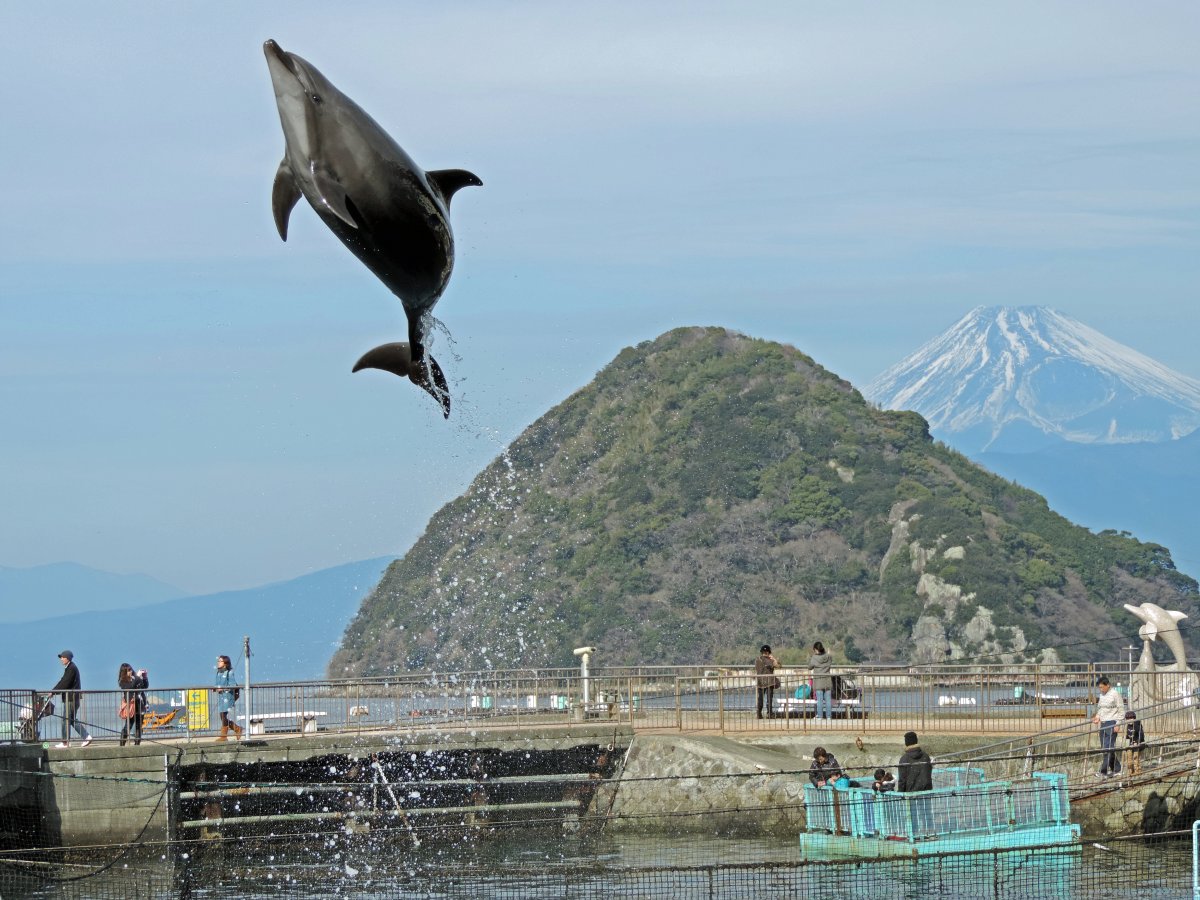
(708, 784)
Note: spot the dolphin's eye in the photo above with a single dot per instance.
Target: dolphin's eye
(316, 98)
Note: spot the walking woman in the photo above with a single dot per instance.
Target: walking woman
(820, 663)
(133, 701)
(227, 694)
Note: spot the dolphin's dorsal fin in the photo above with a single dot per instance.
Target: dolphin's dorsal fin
(1176, 615)
(449, 181)
(284, 195)
(333, 195)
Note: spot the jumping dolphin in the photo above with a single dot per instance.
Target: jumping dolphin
(393, 216)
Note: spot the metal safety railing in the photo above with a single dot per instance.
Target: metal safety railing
(1170, 740)
(956, 811)
(965, 699)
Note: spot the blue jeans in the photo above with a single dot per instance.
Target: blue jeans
(1109, 763)
(922, 816)
(824, 701)
(69, 709)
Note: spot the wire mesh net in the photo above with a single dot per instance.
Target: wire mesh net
(539, 852)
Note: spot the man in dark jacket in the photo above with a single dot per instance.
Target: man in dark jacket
(69, 687)
(916, 767)
(916, 774)
(766, 681)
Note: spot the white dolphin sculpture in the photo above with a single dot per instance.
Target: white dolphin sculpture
(1164, 624)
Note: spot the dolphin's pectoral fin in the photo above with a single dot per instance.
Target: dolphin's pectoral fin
(284, 195)
(449, 181)
(397, 358)
(333, 196)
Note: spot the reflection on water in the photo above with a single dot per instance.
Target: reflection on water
(550, 865)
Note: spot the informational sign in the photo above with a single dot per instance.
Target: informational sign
(197, 709)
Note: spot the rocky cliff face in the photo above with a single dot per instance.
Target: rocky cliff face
(936, 639)
(708, 492)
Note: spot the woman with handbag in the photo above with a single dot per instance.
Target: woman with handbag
(133, 701)
(228, 691)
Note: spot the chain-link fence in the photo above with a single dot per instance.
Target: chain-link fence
(369, 838)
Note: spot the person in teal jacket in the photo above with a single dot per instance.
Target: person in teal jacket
(227, 694)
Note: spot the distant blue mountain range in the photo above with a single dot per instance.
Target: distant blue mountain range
(294, 628)
(1149, 490)
(59, 589)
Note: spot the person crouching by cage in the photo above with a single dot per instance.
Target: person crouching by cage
(227, 694)
(824, 771)
(1135, 743)
(133, 701)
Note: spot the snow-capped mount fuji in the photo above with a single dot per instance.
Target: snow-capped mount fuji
(1019, 378)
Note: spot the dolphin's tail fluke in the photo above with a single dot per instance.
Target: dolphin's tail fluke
(397, 358)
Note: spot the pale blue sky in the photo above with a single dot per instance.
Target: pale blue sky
(175, 387)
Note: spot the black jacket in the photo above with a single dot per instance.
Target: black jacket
(133, 688)
(1135, 736)
(70, 681)
(916, 771)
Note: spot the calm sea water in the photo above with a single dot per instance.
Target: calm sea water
(551, 865)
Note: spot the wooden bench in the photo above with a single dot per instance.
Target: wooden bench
(1064, 712)
(306, 721)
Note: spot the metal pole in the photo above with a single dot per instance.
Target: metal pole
(721, 702)
(248, 703)
(1196, 860)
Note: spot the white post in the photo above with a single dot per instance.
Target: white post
(584, 654)
(248, 704)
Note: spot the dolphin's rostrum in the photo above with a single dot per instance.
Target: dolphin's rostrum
(393, 216)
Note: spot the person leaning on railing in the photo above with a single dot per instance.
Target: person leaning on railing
(1110, 710)
(1135, 743)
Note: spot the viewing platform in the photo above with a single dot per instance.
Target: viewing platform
(962, 813)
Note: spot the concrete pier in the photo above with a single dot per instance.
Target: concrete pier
(704, 783)
(105, 794)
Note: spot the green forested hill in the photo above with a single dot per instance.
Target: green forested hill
(708, 492)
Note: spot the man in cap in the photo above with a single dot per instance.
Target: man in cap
(69, 687)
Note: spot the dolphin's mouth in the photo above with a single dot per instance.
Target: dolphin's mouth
(277, 54)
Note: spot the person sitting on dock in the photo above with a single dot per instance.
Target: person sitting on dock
(824, 770)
